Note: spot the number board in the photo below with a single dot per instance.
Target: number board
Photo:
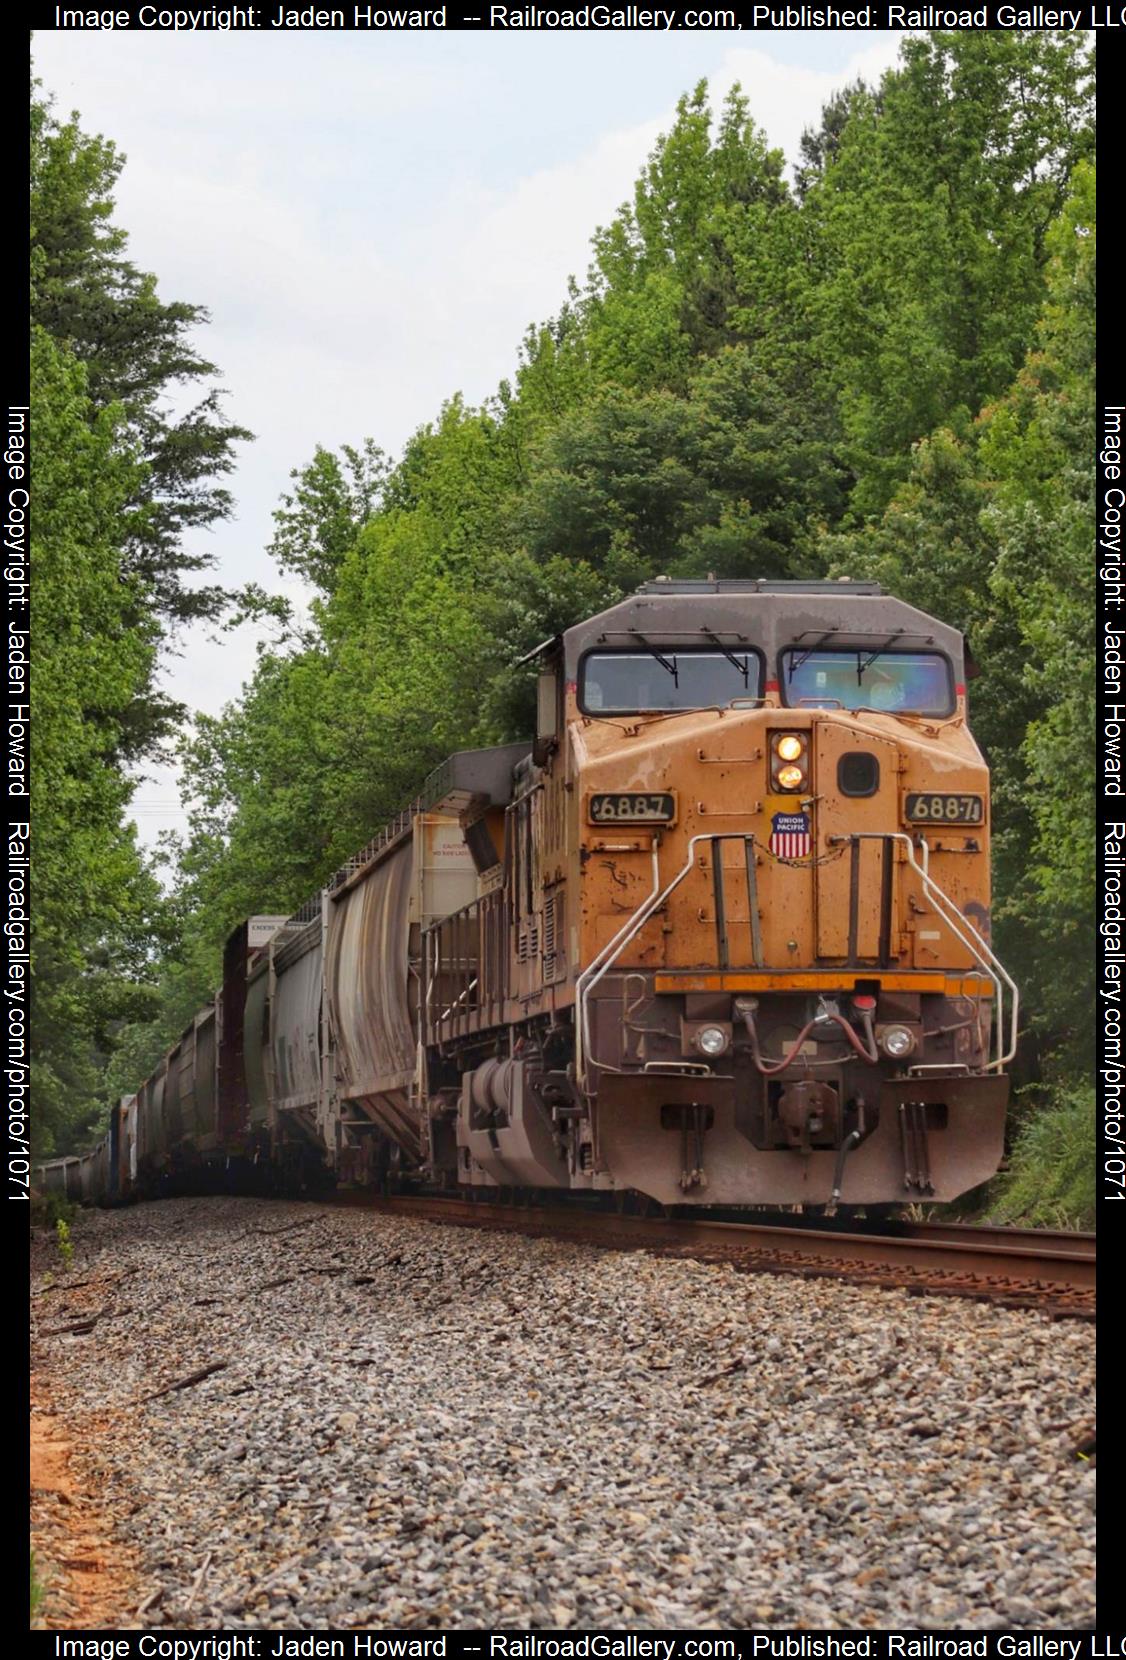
(928, 808)
(632, 807)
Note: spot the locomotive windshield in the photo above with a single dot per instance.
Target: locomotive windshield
(661, 678)
(918, 682)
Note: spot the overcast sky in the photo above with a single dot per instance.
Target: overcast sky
(372, 220)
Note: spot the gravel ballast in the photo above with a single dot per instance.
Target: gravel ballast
(416, 1426)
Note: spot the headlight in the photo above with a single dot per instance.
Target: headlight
(789, 762)
(711, 1040)
(897, 1041)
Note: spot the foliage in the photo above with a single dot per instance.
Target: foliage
(821, 145)
(120, 481)
(36, 1591)
(1037, 443)
(64, 1242)
(1050, 1182)
(330, 503)
(138, 357)
(932, 219)
(48, 1209)
(728, 477)
(666, 270)
(91, 659)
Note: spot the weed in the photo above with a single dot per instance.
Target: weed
(62, 1234)
(1050, 1182)
(47, 1208)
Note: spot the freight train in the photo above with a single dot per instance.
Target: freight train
(718, 935)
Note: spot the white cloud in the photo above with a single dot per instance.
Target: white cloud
(786, 98)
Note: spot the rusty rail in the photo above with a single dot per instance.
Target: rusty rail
(1053, 1271)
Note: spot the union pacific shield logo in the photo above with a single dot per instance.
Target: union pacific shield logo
(789, 836)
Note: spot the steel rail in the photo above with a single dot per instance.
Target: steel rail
(1046, 1260)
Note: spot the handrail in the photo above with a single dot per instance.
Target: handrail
(613, 950)
(584, 984)
(465, 942)
(963, 929)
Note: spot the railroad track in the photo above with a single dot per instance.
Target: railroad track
(1049, 1270)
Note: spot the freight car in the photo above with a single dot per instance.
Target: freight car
(719, 935)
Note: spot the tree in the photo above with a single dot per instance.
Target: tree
(120, 483)
(664, 278)
(820, 146)
(733, 476)
(137, 351)
(932, 221)
(96, 905)
(1038, 443)
(333, 499)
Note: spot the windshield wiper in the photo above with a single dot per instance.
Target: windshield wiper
(862, 668)
(808, 652)
(739, 665)
(665, 662)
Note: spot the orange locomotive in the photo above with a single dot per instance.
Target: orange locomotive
(719, 938)
(746, 899)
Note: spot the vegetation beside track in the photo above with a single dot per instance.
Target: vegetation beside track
(1050, 1182)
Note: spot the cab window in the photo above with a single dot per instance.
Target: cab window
(918, 682)
(668, 677)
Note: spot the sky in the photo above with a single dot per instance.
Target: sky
(373, 220)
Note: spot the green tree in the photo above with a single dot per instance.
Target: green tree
(131, 447)
(666, 275)
(931, 221)
(734, 477)
(138, 357)
(96, 905)
(1037, 444)
(317, 523)
(820, 145)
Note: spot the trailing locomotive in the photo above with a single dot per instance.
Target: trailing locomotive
(719, 936)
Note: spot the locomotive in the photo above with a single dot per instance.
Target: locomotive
(718, 936)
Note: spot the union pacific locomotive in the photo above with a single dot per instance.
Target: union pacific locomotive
(718, 936)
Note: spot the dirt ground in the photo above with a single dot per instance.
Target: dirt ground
(85, 1576)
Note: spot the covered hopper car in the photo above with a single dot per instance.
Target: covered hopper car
(719, 935)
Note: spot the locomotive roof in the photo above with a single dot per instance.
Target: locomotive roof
(753, 585)
(765, 614)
